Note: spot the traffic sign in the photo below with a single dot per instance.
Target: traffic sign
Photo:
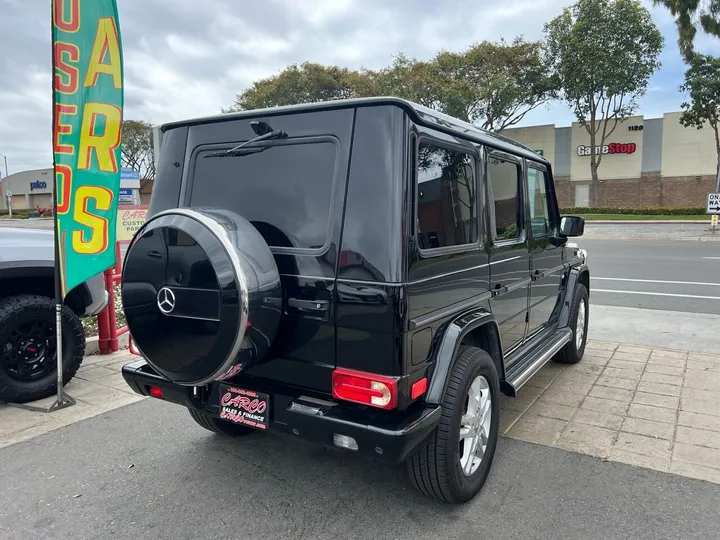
(713, 203)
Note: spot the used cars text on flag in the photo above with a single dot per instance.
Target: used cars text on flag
(88, 99)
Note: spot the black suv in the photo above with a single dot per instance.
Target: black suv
(363, 274)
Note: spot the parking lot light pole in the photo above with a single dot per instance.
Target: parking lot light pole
(6, 175)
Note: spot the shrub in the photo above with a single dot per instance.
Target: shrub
(17, 214)
(636, 211)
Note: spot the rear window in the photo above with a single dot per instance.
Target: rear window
(286, 191)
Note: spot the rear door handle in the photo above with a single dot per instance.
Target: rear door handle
(308, 305)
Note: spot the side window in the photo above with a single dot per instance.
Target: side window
(537, 197)
(447, 210)
(505, 181)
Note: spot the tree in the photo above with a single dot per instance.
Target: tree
(492, 85)
(689, 15)
(137, 148)
(702, 82)
(604, 53)
(408, 78)
(304, 83)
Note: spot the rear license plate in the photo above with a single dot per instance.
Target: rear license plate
(245, 407)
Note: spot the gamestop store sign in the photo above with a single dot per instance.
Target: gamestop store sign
(612, 148)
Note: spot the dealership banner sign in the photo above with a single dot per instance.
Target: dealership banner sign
(88, 99)
(130, 219)
(612, 148)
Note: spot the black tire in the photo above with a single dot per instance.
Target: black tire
(570, 353)
(17, 313)
(435, 469)
(209, 422)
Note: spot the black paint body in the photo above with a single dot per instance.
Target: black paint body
(388, 306)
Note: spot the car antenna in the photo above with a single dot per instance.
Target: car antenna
(264, 132)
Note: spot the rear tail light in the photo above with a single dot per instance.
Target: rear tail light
(365, 388)
(155, 392)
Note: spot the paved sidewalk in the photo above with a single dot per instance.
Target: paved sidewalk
(650, 407)
(98, 387)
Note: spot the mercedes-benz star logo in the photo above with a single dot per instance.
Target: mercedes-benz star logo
(166, 300)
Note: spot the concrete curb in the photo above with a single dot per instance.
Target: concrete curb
(655, 238)
(92, 347)
(648, 222)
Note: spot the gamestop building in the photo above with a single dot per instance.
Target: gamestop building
(645, 162)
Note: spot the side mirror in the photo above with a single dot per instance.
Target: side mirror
(572, 226)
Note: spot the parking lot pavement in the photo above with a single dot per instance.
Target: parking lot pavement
(650, 407)
(147, 471)
(98, 387)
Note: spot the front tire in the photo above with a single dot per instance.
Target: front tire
(574, 350)
(456, 461)
(28, 360)
(209, 422)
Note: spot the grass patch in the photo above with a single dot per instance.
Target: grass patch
(633, 217)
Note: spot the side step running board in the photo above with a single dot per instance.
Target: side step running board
(521, 372)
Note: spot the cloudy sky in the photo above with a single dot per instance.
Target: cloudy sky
(185, 58)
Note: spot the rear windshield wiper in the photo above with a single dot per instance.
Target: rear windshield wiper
(275, 134)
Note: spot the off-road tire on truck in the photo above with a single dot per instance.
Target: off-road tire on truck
(436, 470)
(571, 353)
(27, 329)
(222, 427)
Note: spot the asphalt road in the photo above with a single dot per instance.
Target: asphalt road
(147, 471)
(676, 276)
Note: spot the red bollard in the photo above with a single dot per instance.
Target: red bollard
(103, 332)
(103, 320)
(107, 321)
(112, 321)
(118, 260)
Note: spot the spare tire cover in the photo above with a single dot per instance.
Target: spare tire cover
(201, 293)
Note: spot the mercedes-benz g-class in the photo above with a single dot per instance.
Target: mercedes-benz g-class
(364, 274)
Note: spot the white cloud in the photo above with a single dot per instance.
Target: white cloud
(185, 58)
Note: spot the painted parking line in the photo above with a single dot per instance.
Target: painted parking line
(593, 290)
(706, 284)
(713, 258)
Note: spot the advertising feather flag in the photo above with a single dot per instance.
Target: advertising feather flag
(87, 110)
(88, 99)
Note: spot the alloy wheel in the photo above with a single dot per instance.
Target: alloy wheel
(475, 425)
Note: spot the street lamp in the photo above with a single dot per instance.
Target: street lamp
(7, 199)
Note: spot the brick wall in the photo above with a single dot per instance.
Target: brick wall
(564, 191)
(650, 194)
(652, 190)
(686, 191)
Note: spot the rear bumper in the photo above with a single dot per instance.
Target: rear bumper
(389, 437)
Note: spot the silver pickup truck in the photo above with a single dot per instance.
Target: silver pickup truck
(27, 316)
